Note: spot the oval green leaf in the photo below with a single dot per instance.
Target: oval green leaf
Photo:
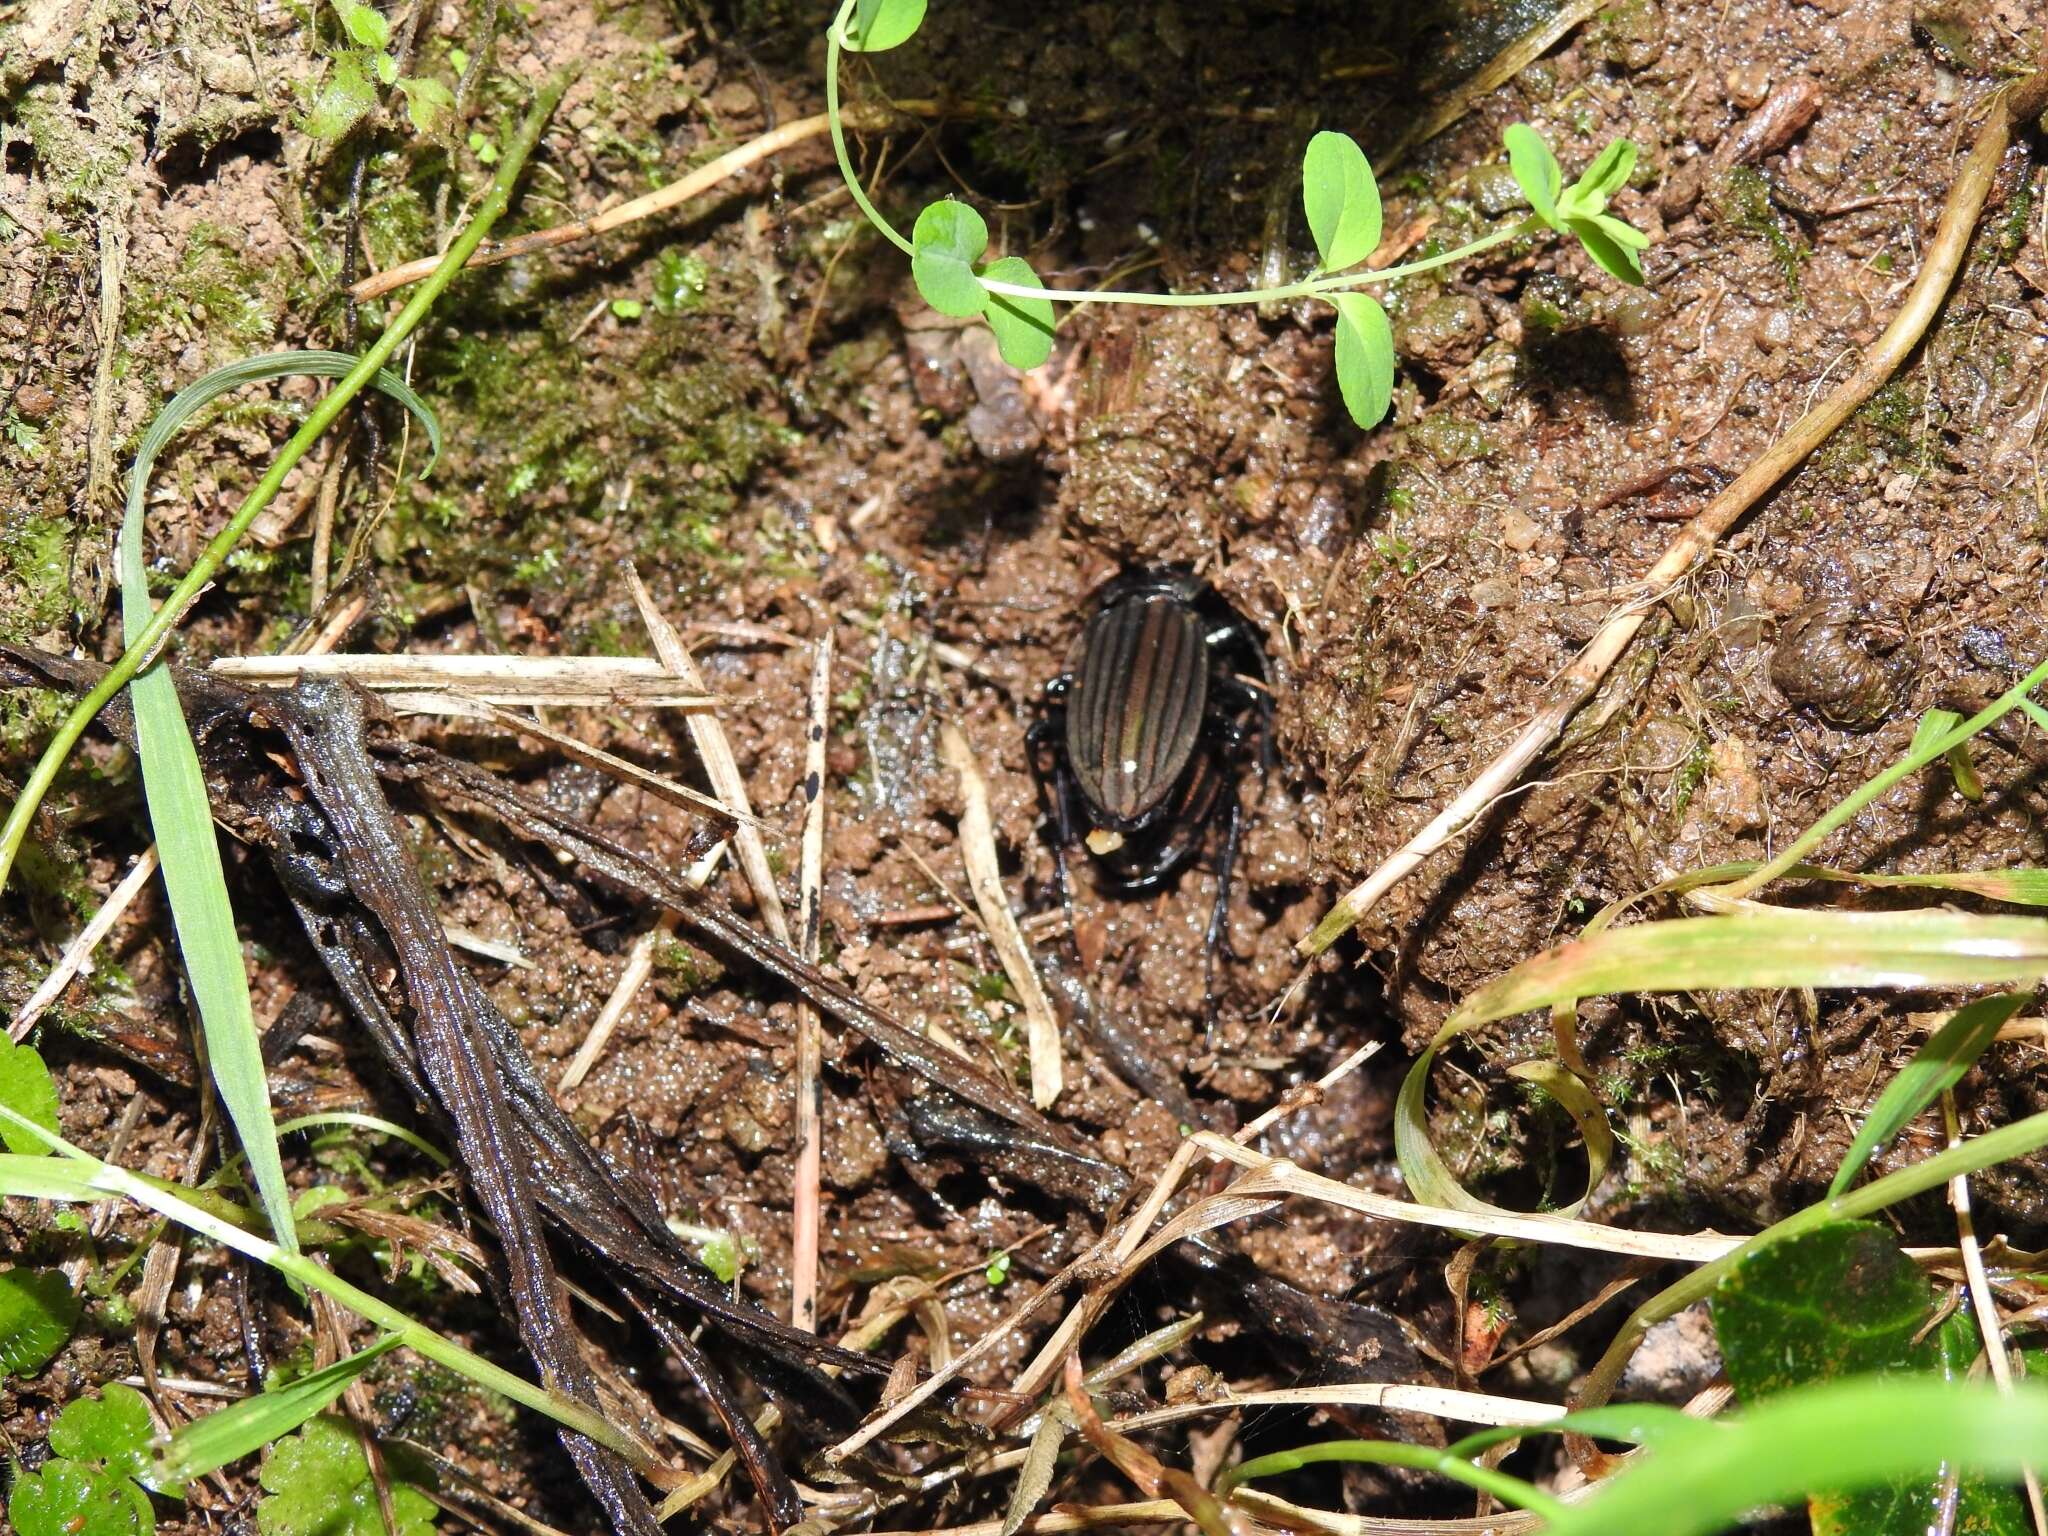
(1365, 357)
(1612, 245)
(1536, 170)
(37, 1313)
(1608, 174)
(26, 1088)
(1341, 199)
(947, 241)
(879, 25)
(1023, 326)
(366, 25)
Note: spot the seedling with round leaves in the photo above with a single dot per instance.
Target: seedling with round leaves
(1340, 197)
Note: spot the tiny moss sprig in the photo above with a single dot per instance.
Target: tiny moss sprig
(1339, 195)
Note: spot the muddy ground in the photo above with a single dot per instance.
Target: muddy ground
(747, 399)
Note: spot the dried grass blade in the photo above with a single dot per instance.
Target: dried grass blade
(985, 880)
(708, 735)
(569, 681)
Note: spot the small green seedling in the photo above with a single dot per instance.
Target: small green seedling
(1340, 196)
(88, 1486)
(998, 1271)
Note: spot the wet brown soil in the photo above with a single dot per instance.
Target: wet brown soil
(783, 438)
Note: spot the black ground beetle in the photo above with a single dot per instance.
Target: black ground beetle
(1139, 743)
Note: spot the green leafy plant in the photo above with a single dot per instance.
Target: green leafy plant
(362, 64)
(1341, 198)
(38, 1310)
(1877, 1318)
(89, 1486)
(317, 1483)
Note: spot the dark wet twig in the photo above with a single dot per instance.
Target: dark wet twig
(323, 720)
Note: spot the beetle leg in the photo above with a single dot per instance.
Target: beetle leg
(1055, 790)
(1219, 915)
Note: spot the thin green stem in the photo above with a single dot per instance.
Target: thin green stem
(1509, 1490)
(1796, 850)
(832, 116)
(1306, 288)
(512, 158)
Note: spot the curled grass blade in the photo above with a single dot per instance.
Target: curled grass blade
(175, 787)
(1393, 1453)
(512, 158)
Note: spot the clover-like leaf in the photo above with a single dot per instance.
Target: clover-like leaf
(1341, 199)
(1365, 357)
(316, 1483)
(948, 240)
(1536, 171)
(75, 1498)
(1023, 326)
(878, 25)
(114, 1427)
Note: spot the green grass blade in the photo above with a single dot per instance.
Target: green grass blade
(179, 811)
(1852, 1433)
(1928, 748)
(1768, 947)
(518, 145)
(104, 1179)
(209, 1443)
(1937, 1065)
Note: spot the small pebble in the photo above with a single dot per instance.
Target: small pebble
(1749, 85)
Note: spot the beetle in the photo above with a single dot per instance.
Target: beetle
(1139, 743)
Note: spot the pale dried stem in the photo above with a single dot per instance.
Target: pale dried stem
(805, 1209)
(622, 769)
(1576, 684)
(79, 951)
(708, 735)
(569, 681)
(985, 883)
(1990, 1326)
(676, 193)
(632, 977)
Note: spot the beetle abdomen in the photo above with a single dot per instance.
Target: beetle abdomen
(1141, 683)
